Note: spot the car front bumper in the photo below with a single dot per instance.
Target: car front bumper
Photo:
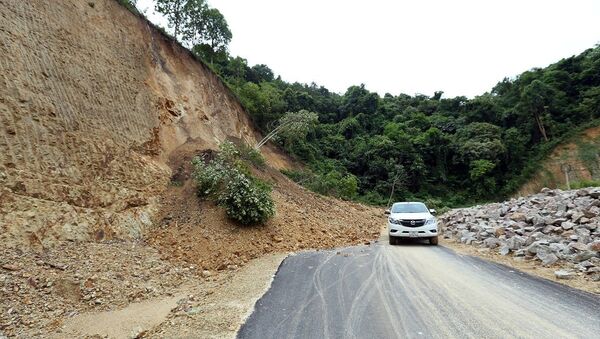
(425, 231)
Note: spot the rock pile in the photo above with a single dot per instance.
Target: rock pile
(552, 227)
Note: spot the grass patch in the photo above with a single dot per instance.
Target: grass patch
(588, 154)
(584, 183)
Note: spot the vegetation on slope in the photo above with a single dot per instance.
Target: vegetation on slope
(457, 150)
(226, 179)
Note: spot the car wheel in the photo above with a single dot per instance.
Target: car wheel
(392, 240)
(433, 241)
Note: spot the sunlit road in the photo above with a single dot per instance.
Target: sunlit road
(415, 291)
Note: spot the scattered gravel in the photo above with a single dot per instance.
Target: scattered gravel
(39, 290)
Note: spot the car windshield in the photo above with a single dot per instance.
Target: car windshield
(409, 208)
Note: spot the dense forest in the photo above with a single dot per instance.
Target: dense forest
(448, 151)
(456, 150)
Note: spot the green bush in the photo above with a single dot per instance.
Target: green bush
(227, 180)
(252, 155)
(210, 177)
(247, 200)
(584, 184)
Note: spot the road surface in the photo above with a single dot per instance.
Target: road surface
(415, 291)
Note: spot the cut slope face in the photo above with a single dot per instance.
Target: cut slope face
(92, 102)
(579, 158)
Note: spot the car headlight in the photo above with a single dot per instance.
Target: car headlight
(430, 221)
(394, 221)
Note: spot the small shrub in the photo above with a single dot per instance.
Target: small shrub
(226, 179)
(252, 155)
(247, 200)
(210, 177)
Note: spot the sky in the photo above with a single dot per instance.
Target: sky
(461, 47)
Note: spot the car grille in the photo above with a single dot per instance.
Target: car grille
(412, 223)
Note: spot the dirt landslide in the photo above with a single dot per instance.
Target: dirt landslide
(199, 233)
(196, 273)
(100, 227)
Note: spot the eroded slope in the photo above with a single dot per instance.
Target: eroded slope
(578, 158)
(92, 102)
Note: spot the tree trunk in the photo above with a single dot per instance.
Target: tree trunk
(541, 127)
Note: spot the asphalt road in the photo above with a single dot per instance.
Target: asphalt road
(415, 291)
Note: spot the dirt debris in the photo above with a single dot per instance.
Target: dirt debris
(40, 290)
(199, 233)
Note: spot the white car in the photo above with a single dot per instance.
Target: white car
(412, 220)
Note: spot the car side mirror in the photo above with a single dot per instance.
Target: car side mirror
(432, 211)
(387, 211)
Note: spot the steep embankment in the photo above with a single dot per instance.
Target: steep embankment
(578, 158)
(93, 101)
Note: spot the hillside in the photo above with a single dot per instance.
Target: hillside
(95, 103)
(576, 159)
(100, 116)
(448, 151)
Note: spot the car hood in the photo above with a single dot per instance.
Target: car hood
(409, 216)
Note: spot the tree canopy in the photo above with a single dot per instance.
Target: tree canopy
(456, 150)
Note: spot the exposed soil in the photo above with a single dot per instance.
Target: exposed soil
(565, 157)
(198, 232)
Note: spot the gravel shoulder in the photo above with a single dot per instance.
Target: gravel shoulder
(579, 281)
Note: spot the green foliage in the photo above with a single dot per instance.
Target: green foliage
(206, 26)
(200, 27)
(584, 184)
(480, 168)
(247, 200)
(226, 179)
(211, 176)
(291, 127)
(457, 150)
(331, 183)
(177, 13)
